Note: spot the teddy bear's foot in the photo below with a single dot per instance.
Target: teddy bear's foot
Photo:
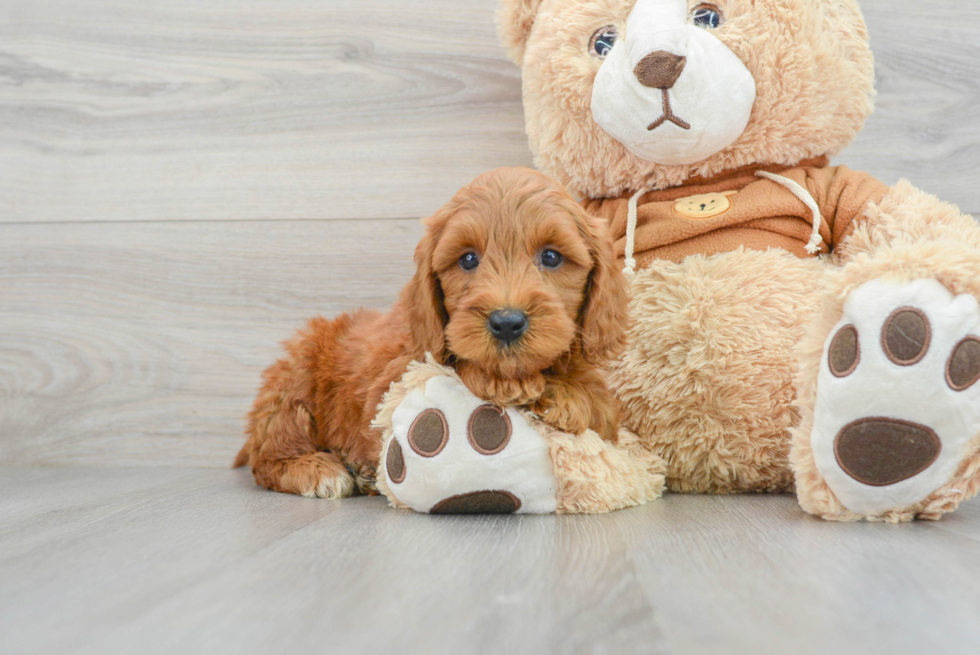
(445, 451)
(896, 431)
(450, 453)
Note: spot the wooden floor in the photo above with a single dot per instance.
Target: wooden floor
(182, 183)
(148, 560)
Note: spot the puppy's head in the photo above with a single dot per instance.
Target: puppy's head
(512, 276)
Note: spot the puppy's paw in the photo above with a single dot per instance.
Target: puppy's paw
(897, 417)
(317, 475)
(564, 416)
(450, 453)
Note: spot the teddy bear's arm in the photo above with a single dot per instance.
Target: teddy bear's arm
(907, 216)
(843, 196)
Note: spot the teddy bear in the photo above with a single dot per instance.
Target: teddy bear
(796, 326)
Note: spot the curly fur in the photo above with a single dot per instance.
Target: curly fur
(310, 428)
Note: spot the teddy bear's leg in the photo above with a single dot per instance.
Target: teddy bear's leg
(444, 451)
(890, 377)
(896, 422)
(707, 379)
(596, 476)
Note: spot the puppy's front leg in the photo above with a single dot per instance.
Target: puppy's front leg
(281, 449)
(575, 404)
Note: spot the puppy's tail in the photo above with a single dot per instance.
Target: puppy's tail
(242, 458)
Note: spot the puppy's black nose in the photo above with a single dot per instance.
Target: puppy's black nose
(507, 325)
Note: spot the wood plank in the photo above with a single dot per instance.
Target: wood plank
(143, 343)
(164, 561)
(249, 109)
(925, 127)
(266, 109)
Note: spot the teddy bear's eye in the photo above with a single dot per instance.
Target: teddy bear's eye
(707, 16)
(602, 41)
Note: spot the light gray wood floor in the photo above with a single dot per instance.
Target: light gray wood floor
(182, 183)
(147, 560)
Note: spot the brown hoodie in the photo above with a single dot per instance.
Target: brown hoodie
(739, 208)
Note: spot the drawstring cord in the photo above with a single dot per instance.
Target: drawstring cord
(816, 241)
(630, 269)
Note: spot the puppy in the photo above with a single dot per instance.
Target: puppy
(516, 288)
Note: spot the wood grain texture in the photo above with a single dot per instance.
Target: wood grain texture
(926, 125)
(286, 109)
(177, 561)
(142, 343)
(249, 109)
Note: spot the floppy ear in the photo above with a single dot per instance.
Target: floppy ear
(422, 298)
(605, 310)
(515, 18)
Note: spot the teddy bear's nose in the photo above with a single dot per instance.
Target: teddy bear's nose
(660, 70)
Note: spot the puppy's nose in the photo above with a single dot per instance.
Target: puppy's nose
(660, 70)
(507, 325)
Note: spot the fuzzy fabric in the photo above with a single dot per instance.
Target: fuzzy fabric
(811, 61)
(591, 475)
(909, 235)
(595, 476)
(707, 377)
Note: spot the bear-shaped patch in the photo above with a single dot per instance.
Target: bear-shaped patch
(706, 205)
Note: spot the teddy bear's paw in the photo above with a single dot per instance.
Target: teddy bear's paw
(451, 453)
(898, 399)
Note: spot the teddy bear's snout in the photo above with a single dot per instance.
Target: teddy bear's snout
(660, 70)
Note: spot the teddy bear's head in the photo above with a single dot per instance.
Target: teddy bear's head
(621, 95)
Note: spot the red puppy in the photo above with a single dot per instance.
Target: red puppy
(516, 288)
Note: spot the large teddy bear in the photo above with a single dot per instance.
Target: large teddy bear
(795, 325)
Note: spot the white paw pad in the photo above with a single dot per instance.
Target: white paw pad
(451, 453)
(898, 399)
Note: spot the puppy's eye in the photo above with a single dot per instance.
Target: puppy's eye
(602, 41)
(707, 16)
(551, 258)
(469, 261)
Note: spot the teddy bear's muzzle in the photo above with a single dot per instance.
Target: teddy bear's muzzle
(694, 88)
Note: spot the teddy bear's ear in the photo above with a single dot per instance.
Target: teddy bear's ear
(514, 21)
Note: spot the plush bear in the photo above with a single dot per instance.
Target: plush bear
(797, 325)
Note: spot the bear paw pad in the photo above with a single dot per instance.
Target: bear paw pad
(450, 453)
(898, 404)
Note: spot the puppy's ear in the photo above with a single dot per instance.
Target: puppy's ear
(605, 310)
(422, 298)
(515, 18)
